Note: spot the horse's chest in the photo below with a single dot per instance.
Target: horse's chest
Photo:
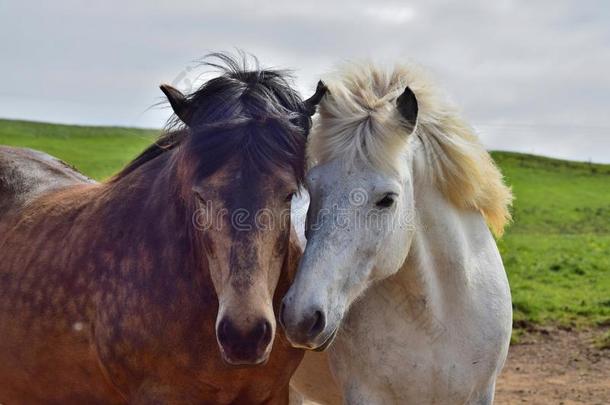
(412, 358)
(401, 373)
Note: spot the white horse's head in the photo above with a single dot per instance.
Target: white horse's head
(360, 220)
(369, 169)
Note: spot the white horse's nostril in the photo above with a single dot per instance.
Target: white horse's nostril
(317, 323)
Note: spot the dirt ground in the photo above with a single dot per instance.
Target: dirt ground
(554, 366)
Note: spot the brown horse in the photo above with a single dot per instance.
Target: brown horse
(123, 291)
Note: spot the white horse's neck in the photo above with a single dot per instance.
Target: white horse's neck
(449, 254)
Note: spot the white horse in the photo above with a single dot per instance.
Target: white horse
(399, 263)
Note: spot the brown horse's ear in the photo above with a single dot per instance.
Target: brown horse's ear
(312, 102)
(178, 101)
(407, 106)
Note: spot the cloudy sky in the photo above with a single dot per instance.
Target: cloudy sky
(531, 76)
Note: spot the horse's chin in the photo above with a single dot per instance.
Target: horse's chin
(327, 342)
(244, 363)
(311, 347)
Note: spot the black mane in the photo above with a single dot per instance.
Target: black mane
(250, 113)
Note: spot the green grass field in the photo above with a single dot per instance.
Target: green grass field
(96, 151)
(556, 253)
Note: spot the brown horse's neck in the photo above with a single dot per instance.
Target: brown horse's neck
(148, 194)
(146, 211)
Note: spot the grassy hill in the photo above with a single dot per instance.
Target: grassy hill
(96, 151)
(556, 253)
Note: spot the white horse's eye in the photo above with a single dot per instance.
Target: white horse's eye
(387, 201)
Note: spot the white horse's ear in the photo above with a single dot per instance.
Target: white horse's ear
(406, 104)
(178, 101)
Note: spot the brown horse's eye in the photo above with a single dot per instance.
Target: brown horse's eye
(289, 197)
(199, 197)
(387, 201)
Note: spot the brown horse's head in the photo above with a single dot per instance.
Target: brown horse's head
(239, 161)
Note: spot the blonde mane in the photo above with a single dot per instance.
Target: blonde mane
(358, 118)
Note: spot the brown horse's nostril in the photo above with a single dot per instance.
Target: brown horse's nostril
(262, 334)
(226, 332)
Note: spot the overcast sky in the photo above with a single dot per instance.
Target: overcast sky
(531, 76)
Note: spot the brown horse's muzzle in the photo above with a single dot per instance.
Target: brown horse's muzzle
(244, 347)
